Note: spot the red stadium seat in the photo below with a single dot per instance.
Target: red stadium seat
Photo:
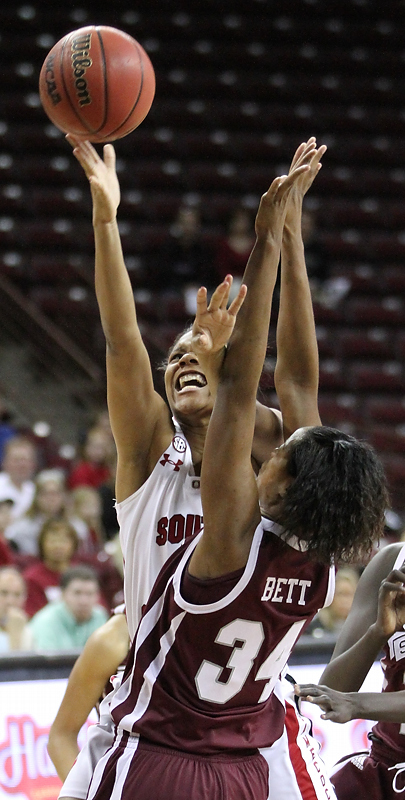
(378, 376)
(383, 409)
(335, 409)
(387, 439)
(389, 310)
(332, 375)
(369, 343)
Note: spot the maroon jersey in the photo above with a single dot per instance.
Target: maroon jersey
(203, 669)
(391, 735)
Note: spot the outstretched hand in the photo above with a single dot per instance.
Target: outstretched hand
(307, 153)
(273, 204)
(391, 604)
(337, 706)
(214, 322)
(102, 176)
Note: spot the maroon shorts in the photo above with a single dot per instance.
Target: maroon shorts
(144, 771)
(364, 777)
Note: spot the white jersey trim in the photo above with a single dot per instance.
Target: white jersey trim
(146, 625)
(150, 479)
(210, 608)
(99, 770)
(400, 558)
(278, 530)
(299, 544)
(152, 673)
(331, 588)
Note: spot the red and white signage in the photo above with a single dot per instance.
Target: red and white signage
(28, 708)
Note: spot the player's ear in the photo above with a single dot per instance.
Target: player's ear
(284, 482)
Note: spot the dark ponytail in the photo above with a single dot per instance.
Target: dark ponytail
(338, 497)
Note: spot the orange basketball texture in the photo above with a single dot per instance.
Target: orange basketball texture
(98, 83)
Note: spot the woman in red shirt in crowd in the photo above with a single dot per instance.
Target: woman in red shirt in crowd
(94, 468)
(57, 544)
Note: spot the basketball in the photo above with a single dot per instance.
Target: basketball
(97, 83)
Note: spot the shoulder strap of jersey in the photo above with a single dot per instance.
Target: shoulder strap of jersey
(400, 558)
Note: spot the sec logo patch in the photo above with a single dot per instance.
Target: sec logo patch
(179, 444)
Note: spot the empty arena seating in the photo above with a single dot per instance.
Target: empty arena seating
(239, 85)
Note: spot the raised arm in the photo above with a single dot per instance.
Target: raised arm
(296, 374)
(228, 485)
(341, 706)
(139, 417)
(360, 642)
(297, 371)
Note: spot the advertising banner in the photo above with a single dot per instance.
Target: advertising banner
(28, 708)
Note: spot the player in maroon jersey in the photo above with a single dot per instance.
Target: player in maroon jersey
(198, 706)
(293, 266)
(369, 629)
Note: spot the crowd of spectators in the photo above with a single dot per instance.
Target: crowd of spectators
(60, 566)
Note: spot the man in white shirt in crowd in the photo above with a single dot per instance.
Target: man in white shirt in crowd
(19, 465)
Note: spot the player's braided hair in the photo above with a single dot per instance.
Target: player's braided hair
(338, 497)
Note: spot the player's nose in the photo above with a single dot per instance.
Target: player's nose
(188, 358)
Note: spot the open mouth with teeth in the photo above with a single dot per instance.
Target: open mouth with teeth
(190, 379)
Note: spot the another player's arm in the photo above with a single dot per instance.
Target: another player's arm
(344, 706)
(296, 374)
(340, 706)
(104, 651)
(297, 371)
(228, 485)
(217, 320)
(360, 642)
(139, 417)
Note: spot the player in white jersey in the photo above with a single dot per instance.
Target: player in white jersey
(163, 523)
(156, 519)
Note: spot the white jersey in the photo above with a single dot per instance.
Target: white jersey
(155, 520)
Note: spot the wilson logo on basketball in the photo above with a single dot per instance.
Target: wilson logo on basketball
(81, 61)
(98, 85)
(51, 87)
